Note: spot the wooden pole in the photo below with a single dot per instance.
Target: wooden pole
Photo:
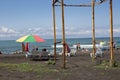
(54, 27)
(63, 34)
(93, 31)
(111, 35)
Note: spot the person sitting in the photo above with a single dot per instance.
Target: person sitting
(99, 53)
(0, 52)
(28, 54)
(84, 50)
(36, 48)
(44, 50)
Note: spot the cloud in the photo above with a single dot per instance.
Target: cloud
(47, 32)
(6, 32)
(116, 30)
(39, 31)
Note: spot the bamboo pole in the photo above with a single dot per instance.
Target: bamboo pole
(111, 35)
(63, 34)
(54, 27)
(93, 31)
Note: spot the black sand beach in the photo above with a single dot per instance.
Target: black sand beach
(78, 67)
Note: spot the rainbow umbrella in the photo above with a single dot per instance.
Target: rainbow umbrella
(30, 38)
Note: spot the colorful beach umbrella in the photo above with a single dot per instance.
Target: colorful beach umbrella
(30, 38)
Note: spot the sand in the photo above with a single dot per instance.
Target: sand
(79, 67)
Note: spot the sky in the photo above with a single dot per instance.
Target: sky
(23, 17)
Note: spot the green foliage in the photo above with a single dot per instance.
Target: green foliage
(106, 65)
(23, 67)
(115, 64)
(51, 62)
(26, 67)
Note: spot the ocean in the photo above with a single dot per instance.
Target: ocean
(10, 46)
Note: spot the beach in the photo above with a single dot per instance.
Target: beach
(86, 47)
(79, 67)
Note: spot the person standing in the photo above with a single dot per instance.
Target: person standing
(78, 47)
(67, 50)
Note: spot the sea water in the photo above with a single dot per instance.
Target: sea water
(10, 46)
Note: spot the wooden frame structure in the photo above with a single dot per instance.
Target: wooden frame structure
(92, 4)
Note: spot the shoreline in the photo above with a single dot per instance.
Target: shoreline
(10, 46)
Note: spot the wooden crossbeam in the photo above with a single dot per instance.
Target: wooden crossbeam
(80, 5)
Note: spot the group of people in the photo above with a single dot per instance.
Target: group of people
(35, 48)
